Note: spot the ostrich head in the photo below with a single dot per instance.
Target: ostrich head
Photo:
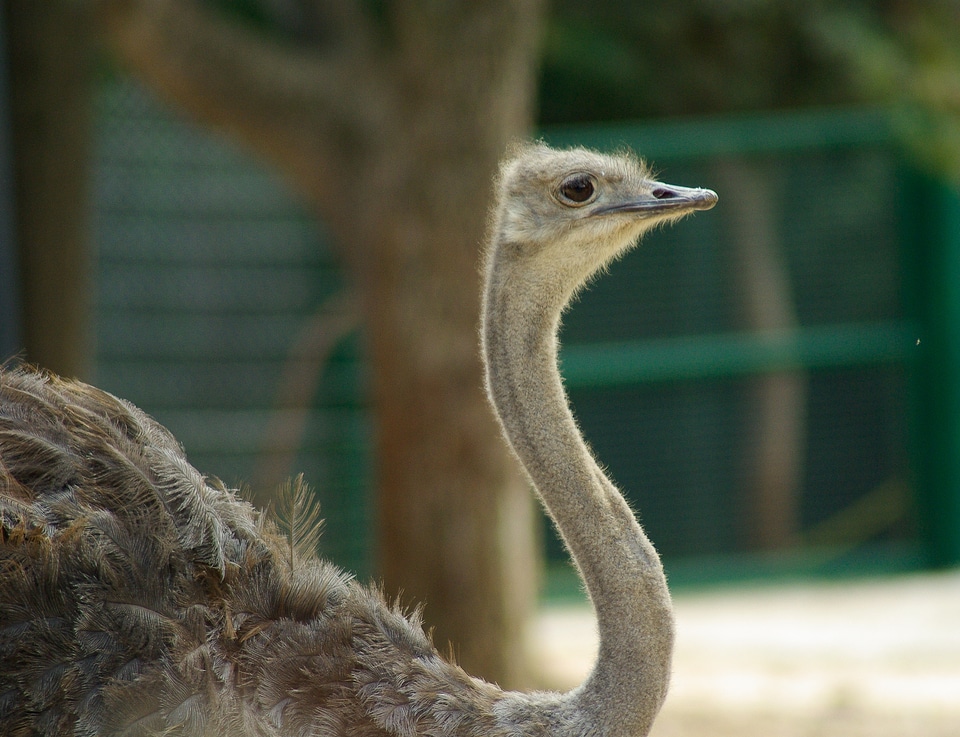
(567, 213)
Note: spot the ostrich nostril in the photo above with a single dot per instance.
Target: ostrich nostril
(662, 193)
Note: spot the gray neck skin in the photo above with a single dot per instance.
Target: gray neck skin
(619, 565)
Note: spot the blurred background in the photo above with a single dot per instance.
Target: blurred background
(260, 221)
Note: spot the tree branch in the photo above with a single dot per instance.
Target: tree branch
(293, 106)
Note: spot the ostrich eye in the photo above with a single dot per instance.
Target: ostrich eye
(578, 189)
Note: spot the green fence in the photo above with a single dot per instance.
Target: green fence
(774, 383)
(866, 337)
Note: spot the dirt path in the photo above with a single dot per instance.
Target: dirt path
(871, 658)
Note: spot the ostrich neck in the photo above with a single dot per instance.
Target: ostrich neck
(617, 562)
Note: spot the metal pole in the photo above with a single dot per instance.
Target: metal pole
(936, 298)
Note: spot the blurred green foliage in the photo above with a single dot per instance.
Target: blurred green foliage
(620, 59)
(638, 60)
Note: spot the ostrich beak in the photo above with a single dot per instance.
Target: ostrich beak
(664, 198)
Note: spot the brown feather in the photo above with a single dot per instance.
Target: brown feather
(139, 598)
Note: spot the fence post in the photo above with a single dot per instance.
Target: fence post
(10, 328)
(936, 298)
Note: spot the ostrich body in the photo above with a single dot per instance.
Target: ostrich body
(138, 597)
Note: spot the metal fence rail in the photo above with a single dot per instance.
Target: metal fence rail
(738, 354)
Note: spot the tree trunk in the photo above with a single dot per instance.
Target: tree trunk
(393, 134)
(776, 435)
(49, 46)
(455, 516)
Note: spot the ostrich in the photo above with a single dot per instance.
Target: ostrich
(138, 597)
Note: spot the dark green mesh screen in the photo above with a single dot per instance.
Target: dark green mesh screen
(686, 450)
(210, 276)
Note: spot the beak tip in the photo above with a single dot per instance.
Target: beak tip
(706, 199)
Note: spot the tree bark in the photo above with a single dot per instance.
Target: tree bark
(392, 130)
(49, 47)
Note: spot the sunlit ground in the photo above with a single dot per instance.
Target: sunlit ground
(864, 658)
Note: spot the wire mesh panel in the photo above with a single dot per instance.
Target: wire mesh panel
(212, 282)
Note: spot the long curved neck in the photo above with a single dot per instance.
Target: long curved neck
(617, 562)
